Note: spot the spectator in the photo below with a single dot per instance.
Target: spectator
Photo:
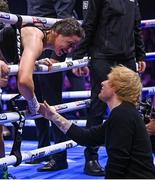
(113, 36)
(124, 134)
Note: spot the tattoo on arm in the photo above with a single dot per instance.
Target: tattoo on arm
(62, 123)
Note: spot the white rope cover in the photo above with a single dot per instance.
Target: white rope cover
(65, 95)
(9, 18)
(64, 66)
(38, 153)
(149, 91)
(61, 108)
(56, 67)
(31, 123)
(13, 19)
(148, 23)
(76, 94)
(150, 56)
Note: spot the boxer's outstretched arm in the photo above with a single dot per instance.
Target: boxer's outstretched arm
(33, 46)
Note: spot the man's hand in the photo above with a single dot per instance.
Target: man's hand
(4, 71)
(50, 113)
(83, 71)
(46, 110)
(141, 66)
(150, 127)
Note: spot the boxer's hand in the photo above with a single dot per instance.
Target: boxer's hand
(4, 72)
(48, 62)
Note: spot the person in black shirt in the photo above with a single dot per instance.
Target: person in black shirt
(124, 134)
(113, 36)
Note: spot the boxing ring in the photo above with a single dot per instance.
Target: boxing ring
(40, 68)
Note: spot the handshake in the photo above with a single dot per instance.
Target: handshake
(50, 113)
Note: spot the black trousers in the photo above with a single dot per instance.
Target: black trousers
(99, 69)
(49, 87)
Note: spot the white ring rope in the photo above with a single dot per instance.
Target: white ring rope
(149, 91)
(65, 95)
(9, 18)
(148, 23)
(38, 153)
(64, 66)
(76, 94)
(31, 123)
(56, 67)
(150, 56)
(61, 108)
(13, 19)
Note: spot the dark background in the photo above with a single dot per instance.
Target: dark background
(147, 7)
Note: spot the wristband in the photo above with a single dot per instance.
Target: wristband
(33, 105)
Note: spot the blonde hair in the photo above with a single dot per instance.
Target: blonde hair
(126, 83)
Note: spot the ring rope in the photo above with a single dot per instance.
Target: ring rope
(61, 108)
(13, 19)
(38, 153)
(148, 23)
(77, 94)
(150, 56)
(64, 66)
(65, 95)
(56, 67)
(9, 18)
(31, 123)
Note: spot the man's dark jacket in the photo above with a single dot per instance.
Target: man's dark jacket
(112, 29)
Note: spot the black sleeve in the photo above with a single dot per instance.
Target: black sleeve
(64, 8)
(89, 24)
(8, 44)
(87, 137)
(120, 133)
(139, 43)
